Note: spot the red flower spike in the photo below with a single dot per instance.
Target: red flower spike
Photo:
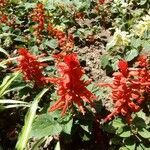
(66, 43)
(101, 1)
(123, 66)
(3, 3)
(79, 15)
(30, 67)
(71, 88)
(143, 61)
(4, 19)
(128, 88)
(38, 16)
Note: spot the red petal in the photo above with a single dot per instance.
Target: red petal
(123, 66)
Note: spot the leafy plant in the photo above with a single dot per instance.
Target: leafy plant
(23, 138)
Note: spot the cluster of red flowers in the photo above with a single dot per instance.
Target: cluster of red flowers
(2, 3)
(30, 67)
(66, 43)
(128, 88)
(38, 16)
(79, 15)
(101, 1)
(4, 19)
(71, 88)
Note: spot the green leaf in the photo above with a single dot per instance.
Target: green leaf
(123, 148)
(29, 5)
(118, 123)
(4, 52)
(38, 143)
(5, 28)
(105, 60)
(15, 1)
(57, 147)
(20, 39)
(136, 42)
(130, 143)
(114, 64)
(144, 133)
(14, 89)
(85, 127)
(45, 125)
(6, 35)
(141, 146)
(146, 45)
(10, 101)
(110, 45)
(116, 140)
(125, 134)
(7, 82)
(139, 122)
(142, 2)
(35, 50)
(4, 62)
(23, 138)
(8, 41)
(109, 128)
(49, 4)
(52, 43)
(16, 105)
(49, 58)
(86, 137)
(68, 126)
(130, 55)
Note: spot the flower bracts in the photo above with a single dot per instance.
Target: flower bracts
(128, 88)
(66, 42)
(71, 88)
(38, 16)
(30, 67)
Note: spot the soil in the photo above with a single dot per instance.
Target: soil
(91, 53)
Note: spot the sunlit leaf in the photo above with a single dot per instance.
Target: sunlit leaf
(23, 138)
(7, 82)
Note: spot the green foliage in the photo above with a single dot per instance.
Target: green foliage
(144, 133)
(52, 43)
(49, 124)
(23, 138)
(105, 61)
(4, 52)
(131, 54)
(7, 81)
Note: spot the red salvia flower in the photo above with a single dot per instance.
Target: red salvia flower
(128, 88)
(38, 16)
(71, 88)
(4, 19)
(122, 98)
(30, 67)
(123, 66)
(144, 72)
(66, 43)
(101, 1)
(79, 15)
(2, 3)
(143, 61)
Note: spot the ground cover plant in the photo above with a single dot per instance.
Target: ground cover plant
(75, 74)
